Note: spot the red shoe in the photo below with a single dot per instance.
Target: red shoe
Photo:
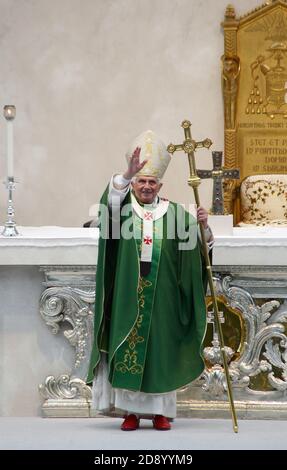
(130, 423)
(161, 423)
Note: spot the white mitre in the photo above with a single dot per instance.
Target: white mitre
(154, 151)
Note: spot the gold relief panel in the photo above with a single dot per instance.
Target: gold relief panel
(254, 82)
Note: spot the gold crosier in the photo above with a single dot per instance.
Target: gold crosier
(189, 146)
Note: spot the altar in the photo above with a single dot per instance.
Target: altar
(47, 288)
(47, 297)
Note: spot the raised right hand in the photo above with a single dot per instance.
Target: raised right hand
(134, 165)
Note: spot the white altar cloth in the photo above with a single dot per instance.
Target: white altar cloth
(79, 246)
(259, 246)
(50, 245)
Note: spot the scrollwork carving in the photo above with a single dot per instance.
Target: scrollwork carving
(66, 304)
(214, 381)
(265, 337)
(64, 388)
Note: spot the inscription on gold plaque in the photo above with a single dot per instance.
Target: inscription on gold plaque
(265, 153)
(254, 79)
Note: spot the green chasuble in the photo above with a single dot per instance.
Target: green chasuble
(151, 327)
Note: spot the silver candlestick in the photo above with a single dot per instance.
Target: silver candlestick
(10, 229)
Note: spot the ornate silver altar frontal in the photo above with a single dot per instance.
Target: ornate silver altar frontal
(253, 305)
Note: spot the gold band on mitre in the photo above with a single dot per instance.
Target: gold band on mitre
(154, 151)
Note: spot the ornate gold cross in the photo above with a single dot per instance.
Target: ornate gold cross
(189, 146)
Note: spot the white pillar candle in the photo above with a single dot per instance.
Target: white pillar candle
(9, 114)
(9, 143)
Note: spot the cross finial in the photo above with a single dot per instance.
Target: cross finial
(189, 146)
(218, 173)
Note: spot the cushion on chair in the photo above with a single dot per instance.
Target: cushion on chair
(264, 200)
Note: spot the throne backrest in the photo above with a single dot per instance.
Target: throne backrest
(263, 200)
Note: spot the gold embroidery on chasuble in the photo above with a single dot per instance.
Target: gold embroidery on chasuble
(130, 362)
(129, 359)
(143, 283)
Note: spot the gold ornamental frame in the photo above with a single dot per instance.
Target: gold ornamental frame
(254, 84)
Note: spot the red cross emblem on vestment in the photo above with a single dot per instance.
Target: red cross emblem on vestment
(148, 215)
(147, 240)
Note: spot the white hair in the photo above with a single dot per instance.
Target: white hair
(134, 178)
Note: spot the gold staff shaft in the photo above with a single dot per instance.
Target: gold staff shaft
(189, 147)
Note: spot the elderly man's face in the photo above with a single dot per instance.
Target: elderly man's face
(146, 188)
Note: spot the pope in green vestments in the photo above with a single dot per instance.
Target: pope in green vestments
(150, 314)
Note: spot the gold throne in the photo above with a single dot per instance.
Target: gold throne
(254, 82)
